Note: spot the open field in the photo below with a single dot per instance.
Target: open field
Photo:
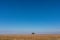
(31, 37)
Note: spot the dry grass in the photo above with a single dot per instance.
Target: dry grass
(30, 37)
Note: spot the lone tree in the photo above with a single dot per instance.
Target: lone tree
(33, 33)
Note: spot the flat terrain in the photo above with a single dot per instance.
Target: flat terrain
(31, 37)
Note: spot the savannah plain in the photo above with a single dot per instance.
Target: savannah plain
(30, 37)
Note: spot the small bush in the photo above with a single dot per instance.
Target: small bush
(33, 33)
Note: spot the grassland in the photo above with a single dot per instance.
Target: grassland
(31, 37)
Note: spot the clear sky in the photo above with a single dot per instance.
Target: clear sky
(26, 16)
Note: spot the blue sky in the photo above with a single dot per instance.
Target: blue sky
(26, 16)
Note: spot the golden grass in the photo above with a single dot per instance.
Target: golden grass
(31, 37)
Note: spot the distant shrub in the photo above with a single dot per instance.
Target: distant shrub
(33, 33)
